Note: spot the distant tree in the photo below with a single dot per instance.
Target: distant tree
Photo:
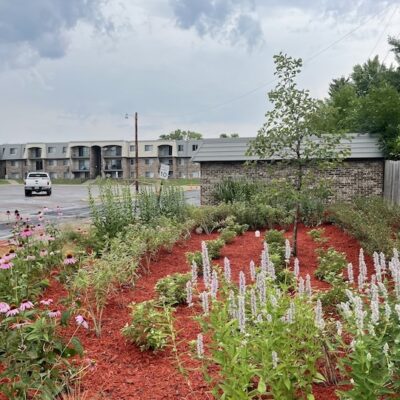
(368, 75)
(338, 84)
(395, 43)
(181, 135)
(289, 132)
(229, 136)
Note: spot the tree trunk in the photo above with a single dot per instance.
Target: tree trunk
(297, 214)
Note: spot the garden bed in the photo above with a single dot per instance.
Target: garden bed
(117, 369)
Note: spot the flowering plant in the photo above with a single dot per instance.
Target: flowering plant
(34, 357)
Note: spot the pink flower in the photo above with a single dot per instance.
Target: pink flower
(12, 312)
(4, 308)
(9, 256)
(69, 260)
(5, 265)
(26, 232)
(43, 253)
(80, 321)
(45, 209)
(54, 313)
(46, 302)
(25, 305)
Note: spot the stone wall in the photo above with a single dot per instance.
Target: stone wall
(347, 180)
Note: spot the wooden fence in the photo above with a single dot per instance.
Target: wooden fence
(391, 190)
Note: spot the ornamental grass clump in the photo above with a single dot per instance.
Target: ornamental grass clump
(150, 325)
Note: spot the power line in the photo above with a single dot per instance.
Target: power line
(266, 84)
(383, 31)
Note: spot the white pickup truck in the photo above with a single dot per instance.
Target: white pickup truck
(37, 182)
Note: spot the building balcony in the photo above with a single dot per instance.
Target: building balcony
(80, 155)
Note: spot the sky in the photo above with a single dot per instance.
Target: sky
(71, 70)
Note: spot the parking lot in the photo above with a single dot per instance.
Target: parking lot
(71, 199)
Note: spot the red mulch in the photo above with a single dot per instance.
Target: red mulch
(121, 371)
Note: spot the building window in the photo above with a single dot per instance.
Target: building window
(181, 161)
(170, 162)
(51, 163)
(13, 150)
(14, 163)
(132, 148)
(195, 174)
(148, 161)
(53, 175)
(66, 175)
(64, 149)
(15, 175)
(149, 174)
(148, 147)
(195, 147)
(181, 175)
(132, 161)
(65, 162)
(180, 147)
(51, 150)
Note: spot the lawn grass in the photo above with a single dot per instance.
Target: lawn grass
(4, 182)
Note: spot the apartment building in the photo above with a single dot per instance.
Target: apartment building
(90, 159)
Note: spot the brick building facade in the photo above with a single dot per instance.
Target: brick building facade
(362, 174)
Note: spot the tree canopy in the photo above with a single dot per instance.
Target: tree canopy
(178, 134)
(368, 100)
(229, 136)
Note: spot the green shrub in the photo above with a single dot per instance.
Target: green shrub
(230, 190)
(171, 290)
(209, 218)
(370, 220)
(227, 235)
(318, 235)
(330, 264)
(232, 225)
(334, 296)
(197, 258)
(149, 328)
(273, 236)
(214, 248)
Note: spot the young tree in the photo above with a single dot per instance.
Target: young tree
(289, 133)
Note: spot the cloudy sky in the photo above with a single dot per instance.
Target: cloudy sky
(71, 69)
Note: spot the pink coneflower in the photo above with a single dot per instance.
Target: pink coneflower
(54, 313)
(46, 302)
(6, 265)
(40, 217)
(69, 260)
(43, 253)
(27, 219)
(45, 209)
(10, 255)
(25, 305)
(51, 238)
(26, 232)
(12, 311)
(4, 308)
(80, 321)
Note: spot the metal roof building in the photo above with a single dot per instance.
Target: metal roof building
(362, 146)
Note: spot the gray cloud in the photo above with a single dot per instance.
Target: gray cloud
(336, 8)
(30, 30)
(231, 20)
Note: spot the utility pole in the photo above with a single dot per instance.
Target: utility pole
(136, 154)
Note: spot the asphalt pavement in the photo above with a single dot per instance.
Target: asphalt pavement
(68, 203)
